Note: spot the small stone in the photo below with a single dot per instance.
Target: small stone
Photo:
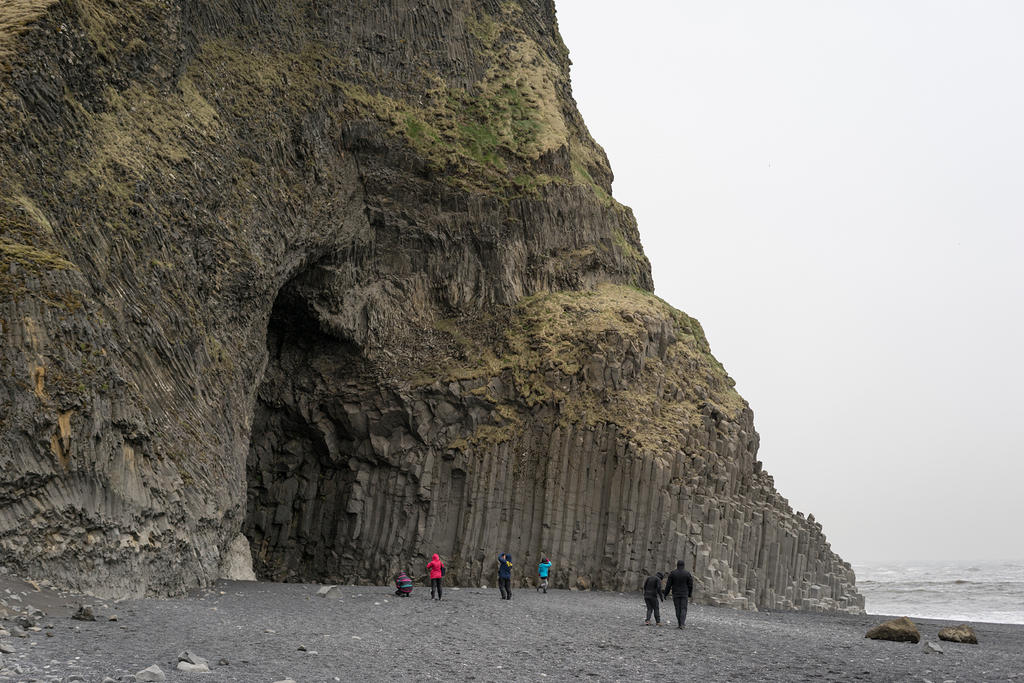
(193, 668)
(932, 648)
(324, 590)
(49, 634)
(286, 680)
(223, 662)
(6, 649)
(84, 613)
(112, 617)
(151, 674)
(108, 679)
(4, 633)
(189, 657)
(959, 634)
(25, 621)
(18, 633)
(302, 648)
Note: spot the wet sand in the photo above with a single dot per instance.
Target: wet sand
(369, 634)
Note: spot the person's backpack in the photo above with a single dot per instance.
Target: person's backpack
(442, 569)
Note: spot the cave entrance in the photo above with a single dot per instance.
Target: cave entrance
(341, 488)
(300, 474)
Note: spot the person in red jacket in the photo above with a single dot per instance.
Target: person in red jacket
(436, 567)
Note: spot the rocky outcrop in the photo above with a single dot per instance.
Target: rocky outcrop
(959, 634)
(348, 278)
(901, 630)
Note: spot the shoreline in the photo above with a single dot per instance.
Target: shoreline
(259, 628)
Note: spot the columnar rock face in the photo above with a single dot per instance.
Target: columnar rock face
(348, 278)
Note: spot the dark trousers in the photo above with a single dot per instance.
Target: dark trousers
(680, 601)
(505, 586)
(652, 606)
(435, 584)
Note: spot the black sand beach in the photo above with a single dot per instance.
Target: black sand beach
(369, 634)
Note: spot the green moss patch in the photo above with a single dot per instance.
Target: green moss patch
(549, 340)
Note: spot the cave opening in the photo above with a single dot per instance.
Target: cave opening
(345, 482)
(300, 478)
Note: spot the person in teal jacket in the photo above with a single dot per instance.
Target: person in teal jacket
(543, 569)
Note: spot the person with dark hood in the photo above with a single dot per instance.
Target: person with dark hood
(403, 585)
(436, 568)
(680, 582)
(653, 595)
(543, 569)
(505, 576)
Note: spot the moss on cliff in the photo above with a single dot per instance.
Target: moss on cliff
(15, 16)
(551, 346)
(28, 252)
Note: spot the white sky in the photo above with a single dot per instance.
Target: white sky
(835, 189)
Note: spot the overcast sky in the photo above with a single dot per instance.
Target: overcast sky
(836, 191)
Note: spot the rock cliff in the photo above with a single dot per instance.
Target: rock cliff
(347, 277)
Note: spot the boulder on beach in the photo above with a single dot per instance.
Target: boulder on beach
(932, 648)
(959, 634)
(84, 613)
(151, 673)
(236, 562)
(191, 662)
(901, 630)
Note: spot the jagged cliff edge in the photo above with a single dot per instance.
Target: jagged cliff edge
(348, 277)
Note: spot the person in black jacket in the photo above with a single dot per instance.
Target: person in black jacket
(652, 596)
(680, 582)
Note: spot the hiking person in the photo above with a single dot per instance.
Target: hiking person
(680, 582)
(653, 596)
(543, 569)
(505, 576)
(436, 568)
(403, 585)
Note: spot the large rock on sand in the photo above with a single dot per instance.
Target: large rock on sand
(959, 634)
(236, 562)
(151, 674)
(902, 630)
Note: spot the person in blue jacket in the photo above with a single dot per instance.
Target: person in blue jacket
(543, 569)
(505, 576)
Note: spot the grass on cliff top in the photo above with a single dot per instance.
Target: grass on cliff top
(550, 338)
(489, 137)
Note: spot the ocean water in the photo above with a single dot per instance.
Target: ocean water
(955, 591)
